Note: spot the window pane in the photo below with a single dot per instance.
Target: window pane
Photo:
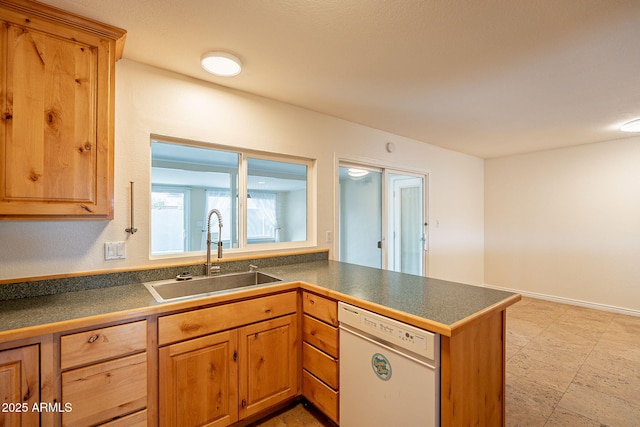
(222, 200)
(210, 177)
(167, 207)
(277, 201)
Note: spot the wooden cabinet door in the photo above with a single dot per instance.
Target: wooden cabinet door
(51, 152)
(198, 381)
(268, 363)
(56, 124)
(19, 386)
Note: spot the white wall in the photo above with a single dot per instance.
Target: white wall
(566, 223)
(150, 100)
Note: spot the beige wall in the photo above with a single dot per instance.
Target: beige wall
(566, 223)
(149, 100)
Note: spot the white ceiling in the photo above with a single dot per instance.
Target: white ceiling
(484, 77)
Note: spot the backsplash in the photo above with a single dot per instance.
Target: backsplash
(71, 284)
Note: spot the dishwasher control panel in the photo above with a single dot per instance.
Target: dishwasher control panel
(416, 340)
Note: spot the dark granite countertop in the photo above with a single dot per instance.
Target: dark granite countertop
(438, 301)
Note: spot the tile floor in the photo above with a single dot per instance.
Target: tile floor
(566, 366)
(571, 366)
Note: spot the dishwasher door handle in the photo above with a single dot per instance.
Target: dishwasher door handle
(423, 362)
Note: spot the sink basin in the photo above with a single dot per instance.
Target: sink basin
(169, 290)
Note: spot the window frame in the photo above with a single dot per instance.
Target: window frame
(244, 155)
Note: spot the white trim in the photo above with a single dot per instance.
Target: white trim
(571, 301)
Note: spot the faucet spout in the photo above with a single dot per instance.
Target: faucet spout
(219, 215)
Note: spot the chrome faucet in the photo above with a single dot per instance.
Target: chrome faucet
(209, 267)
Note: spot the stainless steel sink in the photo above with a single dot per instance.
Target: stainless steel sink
(169, 290)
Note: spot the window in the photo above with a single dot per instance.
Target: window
(263, 198)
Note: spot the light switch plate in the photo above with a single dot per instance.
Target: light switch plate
(114, 250)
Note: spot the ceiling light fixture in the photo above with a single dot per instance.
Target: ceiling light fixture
(221, 64)
(632, 126)
(357, 173)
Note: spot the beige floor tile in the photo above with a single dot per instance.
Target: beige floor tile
(601, 407)
(549, 372)
(587, 319)
(520, 332)
(615, 347)
(563, 348)
(300, 415)
(528, 402)
(623, 329)
(574, 334)
(511, 350)
(539, 313)
(564, 418)
(611, 375)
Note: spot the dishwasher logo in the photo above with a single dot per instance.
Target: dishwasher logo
(381, 366)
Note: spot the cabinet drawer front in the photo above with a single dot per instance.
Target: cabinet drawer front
(320, 395)
(101, 392)
(139, 419)
(320, 307)
(320, 335)
(101, 344)
(177, 327)
(320, 364)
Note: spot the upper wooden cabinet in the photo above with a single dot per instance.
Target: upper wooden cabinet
(57, 77)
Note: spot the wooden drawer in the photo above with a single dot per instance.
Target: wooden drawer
(320, 364)
(103, 391)
(178, 327)
(320, 335)
(322, 396)
(320, 307)
(139, 419)
(102, 344)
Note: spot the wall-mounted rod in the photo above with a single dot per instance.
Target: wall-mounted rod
(131, 229)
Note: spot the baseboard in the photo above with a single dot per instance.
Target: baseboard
(570, 301)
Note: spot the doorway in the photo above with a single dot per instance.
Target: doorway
(382, 218)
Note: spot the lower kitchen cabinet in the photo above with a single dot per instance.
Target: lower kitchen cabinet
(223, 377)
(104, 375)
(268, 364)
(198, 381)
(19, 386)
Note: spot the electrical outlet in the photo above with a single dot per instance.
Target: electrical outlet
(114, 250)
(329, 237)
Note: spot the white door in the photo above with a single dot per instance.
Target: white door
(382, 219)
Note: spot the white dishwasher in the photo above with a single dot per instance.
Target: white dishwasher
(389, 371)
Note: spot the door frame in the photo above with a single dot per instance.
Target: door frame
(368, 163)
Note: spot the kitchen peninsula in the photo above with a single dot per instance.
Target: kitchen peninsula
(470, 319)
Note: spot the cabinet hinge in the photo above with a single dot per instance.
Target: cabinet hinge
(235, 356)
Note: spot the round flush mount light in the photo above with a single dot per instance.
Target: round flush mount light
(632, 126)
(357, 173)
(221, 64)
